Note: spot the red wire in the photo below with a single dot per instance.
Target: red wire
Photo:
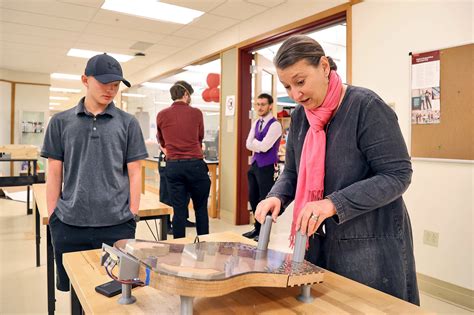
(111, 275)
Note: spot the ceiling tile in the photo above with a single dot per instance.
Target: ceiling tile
(176, 41)
(238, 9)
(87, 3)
(33, 19)
(267, 3)
(163, 49)
(124, 33)
(46, 34)
(51, 8)
(194, 32)
(22, 61)
(8, 46)
(213, 22)
(123, 21)
(40, 42)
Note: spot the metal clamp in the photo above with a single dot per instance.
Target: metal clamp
(129, 268)
(298, 257)
(264, 236)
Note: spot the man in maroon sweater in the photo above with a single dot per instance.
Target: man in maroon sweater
(180, 130)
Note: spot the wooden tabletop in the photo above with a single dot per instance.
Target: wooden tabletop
(336, 295)
(149, 204)
(20, 152)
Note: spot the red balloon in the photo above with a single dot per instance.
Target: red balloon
(215, 94)
(206, 95)
(213, 80)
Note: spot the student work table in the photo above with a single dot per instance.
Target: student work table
(152, 164)
(336, 295)
(150, 208)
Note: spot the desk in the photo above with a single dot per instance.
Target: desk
(335, 295)
(150, 208)
(21, 153)
(152, 164)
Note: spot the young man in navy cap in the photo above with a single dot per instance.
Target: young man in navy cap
(98, 148)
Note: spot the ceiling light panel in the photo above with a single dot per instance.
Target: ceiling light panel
(134, 95)
(154, 10)
(82, 53)
(157, 85)
(64, 90)
(65, 76)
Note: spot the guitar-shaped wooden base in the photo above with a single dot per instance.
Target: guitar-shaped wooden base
(210, 269)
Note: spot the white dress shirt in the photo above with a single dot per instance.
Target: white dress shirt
(274, 132)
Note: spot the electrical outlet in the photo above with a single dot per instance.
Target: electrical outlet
(430, 238)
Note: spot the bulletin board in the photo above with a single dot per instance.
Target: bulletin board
(453, 136)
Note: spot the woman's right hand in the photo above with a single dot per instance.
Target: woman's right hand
(272, 205)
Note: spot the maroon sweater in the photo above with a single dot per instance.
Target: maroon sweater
(180, 130)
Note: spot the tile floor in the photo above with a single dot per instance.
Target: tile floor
(23, 286)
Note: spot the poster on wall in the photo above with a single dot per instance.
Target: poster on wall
(425, 90)
(230, 105)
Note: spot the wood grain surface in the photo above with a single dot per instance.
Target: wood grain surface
(149, 204)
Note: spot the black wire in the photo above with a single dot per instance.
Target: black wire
(151, 231)
(156, 229)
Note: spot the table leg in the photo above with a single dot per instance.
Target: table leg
(37, 234)
(28, 209)
(50, 273)
(76, 307)
(164, 227)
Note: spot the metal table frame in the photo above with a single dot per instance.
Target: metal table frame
(27, 181)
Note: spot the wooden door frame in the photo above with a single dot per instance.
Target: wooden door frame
(245, 57)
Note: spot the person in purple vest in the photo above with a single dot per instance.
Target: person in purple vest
(263, 140)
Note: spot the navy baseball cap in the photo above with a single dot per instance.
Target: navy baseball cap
(105, 69)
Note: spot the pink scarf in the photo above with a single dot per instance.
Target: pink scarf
(310, 186)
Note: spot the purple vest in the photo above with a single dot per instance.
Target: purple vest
(271, 156)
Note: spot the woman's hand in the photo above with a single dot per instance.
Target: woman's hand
(272, 205)
(313, 214)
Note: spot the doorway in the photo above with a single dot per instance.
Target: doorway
(331, 34)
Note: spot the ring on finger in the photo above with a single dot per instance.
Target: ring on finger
(314, 217)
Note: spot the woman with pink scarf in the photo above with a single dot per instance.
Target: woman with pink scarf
(346, 169)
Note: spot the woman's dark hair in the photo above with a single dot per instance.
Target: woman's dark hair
(180, 88)
(299, 47)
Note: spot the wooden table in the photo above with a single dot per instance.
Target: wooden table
(152, 163)
(150, 209)
(336, 295)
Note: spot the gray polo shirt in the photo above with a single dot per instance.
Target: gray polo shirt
(95, 151)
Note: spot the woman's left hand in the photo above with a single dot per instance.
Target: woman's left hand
(313, 214)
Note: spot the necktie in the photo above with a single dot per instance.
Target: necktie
(260, 127)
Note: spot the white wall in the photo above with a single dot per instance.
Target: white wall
(31, 94)
(33, 98)
(440, 198)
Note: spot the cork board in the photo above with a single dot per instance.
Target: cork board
(453, 137)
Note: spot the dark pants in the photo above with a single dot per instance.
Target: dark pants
(260, 180)
(68, 238)
(164, 195)
(188, 178)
